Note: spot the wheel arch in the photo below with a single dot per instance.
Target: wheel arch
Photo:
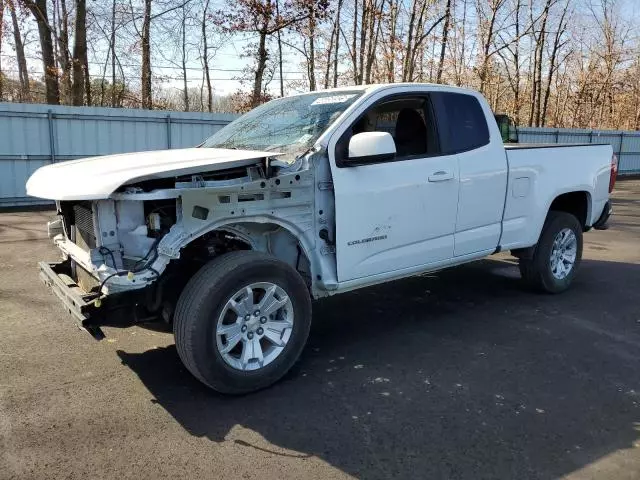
(284, 240)
(577, 203)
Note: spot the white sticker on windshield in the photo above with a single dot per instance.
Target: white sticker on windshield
(332, 99)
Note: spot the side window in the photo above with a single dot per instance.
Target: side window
(461, 121)
(408, 120)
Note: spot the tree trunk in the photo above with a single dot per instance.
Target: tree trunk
(79, 54)
(553, 63)
(408, 53)
(534, 88)
(262, 64)
(335, 55)
(23, 73)
(516, 63)
(539, 56)
(1, 37)
(147, 101)
(445, 36)
(185, 90)
(206, 57)
(327, 70)
(279, 51)
(393, 25)
(463, 32)
(113, 53)
(484, 68)
(363, 39)
(312, 51)
(103, 79)
(373, 41)
(64, 52)
(87, 78)
(39, 10)
(281, 75)
(354, 42)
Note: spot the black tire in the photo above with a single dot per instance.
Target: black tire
(536, 271)
(201, 303)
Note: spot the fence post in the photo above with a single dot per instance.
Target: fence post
(169, 131)
(620, 150)
(590, 136)
(52, 139)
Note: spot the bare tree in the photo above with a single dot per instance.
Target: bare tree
(488, 17)
(445, 36)
(391, 46)
(416, 36)
(511, 57)
(374, 25)
(336, 49)
(205, 55)
(261, 18)
(144, 35)
(539, 36)
(145, 78)
(39, 10)
(183, 51)
(80, 55)
(554, 60)
(1, 38)
(23, 73)
(334, 43)
(545, 62)
(312, 22)
(60, 26)
(279, 38)
(112, 47)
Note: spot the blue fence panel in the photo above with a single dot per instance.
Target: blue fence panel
(625, 144)
(35, 135)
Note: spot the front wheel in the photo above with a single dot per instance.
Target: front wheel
(242, 321)
(557, 255)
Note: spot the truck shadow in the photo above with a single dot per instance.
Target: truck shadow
(459, 375)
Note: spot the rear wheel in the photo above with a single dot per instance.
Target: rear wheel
(242, 321)
(557, 255)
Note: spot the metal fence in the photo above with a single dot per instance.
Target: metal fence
(626, 145)
(35, 135)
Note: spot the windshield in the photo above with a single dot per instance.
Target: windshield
(289, 125)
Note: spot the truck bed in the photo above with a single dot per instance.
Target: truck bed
(536, 178)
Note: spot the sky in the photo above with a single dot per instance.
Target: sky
(226, 66)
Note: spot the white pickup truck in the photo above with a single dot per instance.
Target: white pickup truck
(304, 197)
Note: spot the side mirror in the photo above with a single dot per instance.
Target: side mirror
(371, 147)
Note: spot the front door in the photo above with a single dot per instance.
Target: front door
(398, 214)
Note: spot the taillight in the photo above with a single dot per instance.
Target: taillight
(614, 172)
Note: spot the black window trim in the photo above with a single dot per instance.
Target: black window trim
(389, 158)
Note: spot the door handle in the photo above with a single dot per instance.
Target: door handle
(440, 176)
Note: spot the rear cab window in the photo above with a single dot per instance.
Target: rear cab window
(462, 125)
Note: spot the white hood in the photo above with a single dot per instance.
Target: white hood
(98, 177)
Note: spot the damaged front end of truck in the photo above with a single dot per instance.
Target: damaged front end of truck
(127, 257)
(134, 228)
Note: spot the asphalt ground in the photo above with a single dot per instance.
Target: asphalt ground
(462, 374)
